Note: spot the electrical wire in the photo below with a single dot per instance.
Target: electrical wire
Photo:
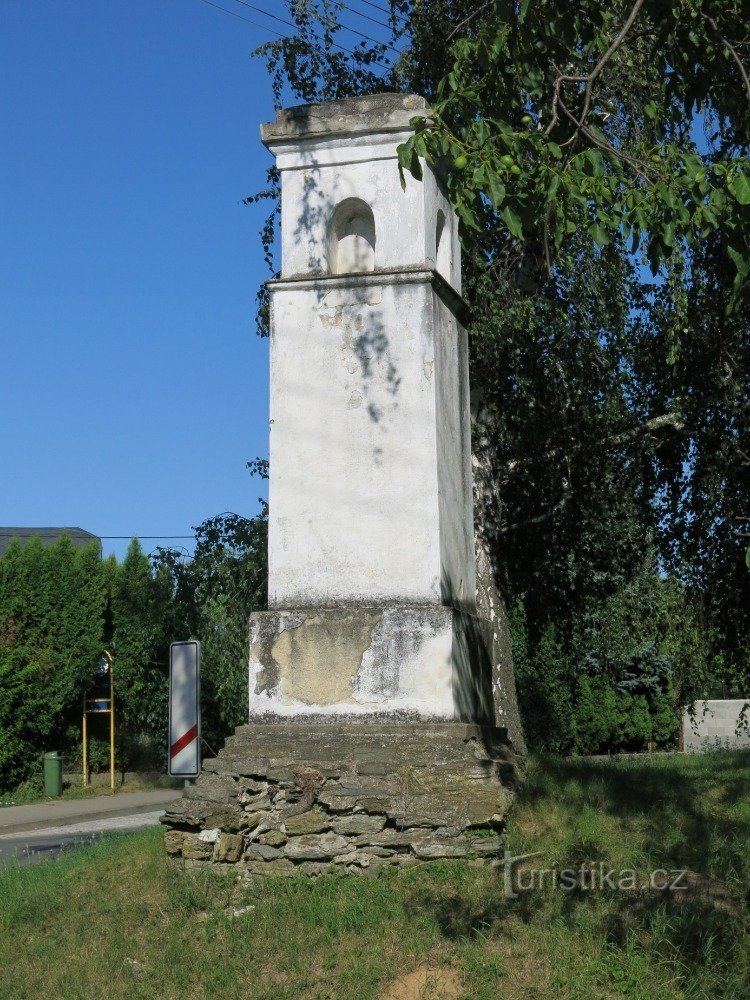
(263, 27)
(279, 34)
(224, 513)
(374, 20)
(290, 24)
(261, 10)
(384, 10)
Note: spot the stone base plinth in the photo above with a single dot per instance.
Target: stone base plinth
(314, 797)
(427, 662)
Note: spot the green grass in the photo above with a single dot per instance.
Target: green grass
(75, 928)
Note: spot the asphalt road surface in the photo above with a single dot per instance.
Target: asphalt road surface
(22, 849)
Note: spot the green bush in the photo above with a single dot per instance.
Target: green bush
(595, 716)
(616, 680)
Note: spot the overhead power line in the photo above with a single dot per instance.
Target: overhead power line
(267, 13)
(241, 17)
(279, 34)
(149, 538)
(291, 24)
(367, 17)
(385, 10)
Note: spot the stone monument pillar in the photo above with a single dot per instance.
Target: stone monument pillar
(382, 717)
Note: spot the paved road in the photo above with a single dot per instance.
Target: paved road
(63, 812)
(29, 848)
(31, 833)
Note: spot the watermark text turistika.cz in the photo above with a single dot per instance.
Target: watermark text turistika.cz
(593, 877)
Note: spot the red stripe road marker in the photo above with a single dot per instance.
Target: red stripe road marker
(186, 739)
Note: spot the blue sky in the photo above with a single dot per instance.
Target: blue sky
(133, 386)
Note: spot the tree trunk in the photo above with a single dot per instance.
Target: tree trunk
(490, 602)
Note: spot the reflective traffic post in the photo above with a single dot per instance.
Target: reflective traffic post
(184, 710)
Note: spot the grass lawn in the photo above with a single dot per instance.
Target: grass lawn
(114, 921)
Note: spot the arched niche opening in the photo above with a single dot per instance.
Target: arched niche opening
(351, 238)
(442, 246)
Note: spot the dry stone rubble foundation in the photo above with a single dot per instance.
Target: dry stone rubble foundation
(311, 798)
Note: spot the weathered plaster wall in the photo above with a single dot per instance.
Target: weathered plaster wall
(372, 580)
(325, 159)
(453, 448)
(370, 490)
(414, 661)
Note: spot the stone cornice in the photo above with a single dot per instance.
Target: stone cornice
(417, 274)
(358, 115)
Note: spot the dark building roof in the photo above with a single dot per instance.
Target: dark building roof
(48, 535)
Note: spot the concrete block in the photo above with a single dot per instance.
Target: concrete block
(714, 726)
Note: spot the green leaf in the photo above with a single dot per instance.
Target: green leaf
(403, 151)
(415, 166)
(512, 221)
(495, 189)
(741, 263)
(601, 235)
(466, 215)
(596, 131)
(594, 157)
(742, 188)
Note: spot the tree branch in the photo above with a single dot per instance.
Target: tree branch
(654, 425)
(606, 146)
(466, 20)
(545, 515)
(651, 426)
(590, 78)
(608, 55)
(733, 52)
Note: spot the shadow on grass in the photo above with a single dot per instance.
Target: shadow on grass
(676, 813)
(685, 806)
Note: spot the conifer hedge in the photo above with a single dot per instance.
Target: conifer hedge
(61, 606)
(52, 604)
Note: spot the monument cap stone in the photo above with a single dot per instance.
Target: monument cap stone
(367, 115)
(340, 178)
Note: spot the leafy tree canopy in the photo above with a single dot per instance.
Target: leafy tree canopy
(610, 400)
(613, 119)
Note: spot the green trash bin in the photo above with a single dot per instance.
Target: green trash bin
(53, 773)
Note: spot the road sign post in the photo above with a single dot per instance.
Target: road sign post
(184, 756)
(100, 704)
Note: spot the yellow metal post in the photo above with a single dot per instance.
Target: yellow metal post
(85, 747)
(92, 706)
(111, 660)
